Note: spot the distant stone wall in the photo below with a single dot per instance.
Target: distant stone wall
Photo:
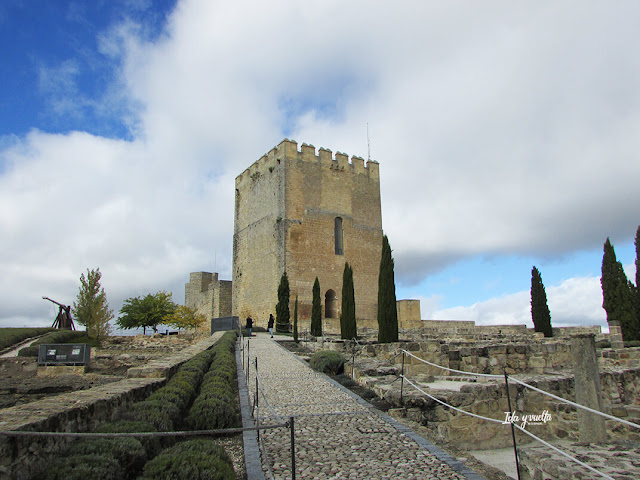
(539, 357)
(208, 295)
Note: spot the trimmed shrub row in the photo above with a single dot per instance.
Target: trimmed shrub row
(57, 336)
(124, 458)
(216, 405)
(163, 409)
(105, 458)
(198, 459)
(327, 361)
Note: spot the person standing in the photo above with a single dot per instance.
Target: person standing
(249, 325)
(270, 324)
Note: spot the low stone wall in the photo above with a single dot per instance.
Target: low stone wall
(534, 357)
(79, 411)
(621, 398)
(618, 460)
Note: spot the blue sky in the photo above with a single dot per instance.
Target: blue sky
(507, 136)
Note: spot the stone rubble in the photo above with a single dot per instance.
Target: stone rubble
(336, 437)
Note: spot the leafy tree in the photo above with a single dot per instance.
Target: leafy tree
(387, 306)
(348, 329)
(148, 311)
(617, 298)
(282, 307)
(316, 311)
(91, 308)
(539, 309)
(184, 317)
(295, 321)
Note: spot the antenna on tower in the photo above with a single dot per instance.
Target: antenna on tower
(368, 144)
(215, 260)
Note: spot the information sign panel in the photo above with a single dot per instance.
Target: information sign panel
(64, 354)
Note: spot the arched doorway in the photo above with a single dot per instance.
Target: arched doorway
(330, 304)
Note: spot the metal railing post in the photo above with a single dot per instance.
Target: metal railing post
(513, 430)
(402, 379)
(248, 364)
(293, 449)
(257, 402)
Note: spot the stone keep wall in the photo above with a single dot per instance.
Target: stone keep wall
(208, 295)
(286, 205)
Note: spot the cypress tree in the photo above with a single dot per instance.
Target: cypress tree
(295, 321)
(636, 289)
(348, 329)
(282, 308)
(387, 306)
(539, 309)
(316, 311)
(616, 296)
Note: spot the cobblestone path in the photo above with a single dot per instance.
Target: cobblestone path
(336, 436)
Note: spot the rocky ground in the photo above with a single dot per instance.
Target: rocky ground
(20, 384)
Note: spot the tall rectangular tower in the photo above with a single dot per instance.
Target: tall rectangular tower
(307, 214)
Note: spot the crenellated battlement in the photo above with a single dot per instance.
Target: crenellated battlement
(307, 153)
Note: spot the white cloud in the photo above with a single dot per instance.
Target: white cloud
(503, 128)
(576, 301)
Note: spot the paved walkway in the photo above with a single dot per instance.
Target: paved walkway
(337, 434)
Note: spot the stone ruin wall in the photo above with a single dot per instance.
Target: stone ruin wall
(208, 295)
(544, 363)
(286, 205)
(621, 398)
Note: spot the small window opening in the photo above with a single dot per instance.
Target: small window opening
(338, 236)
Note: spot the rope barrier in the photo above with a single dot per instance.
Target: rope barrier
(451, 369)
(186, 433)
(515, 380)
(563, 453)
(515, 425)
(577, 405)
(451, 406)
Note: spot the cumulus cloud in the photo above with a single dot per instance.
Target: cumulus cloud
(576, 301)
(503, 128)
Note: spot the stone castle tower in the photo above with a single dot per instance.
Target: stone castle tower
(306, 214)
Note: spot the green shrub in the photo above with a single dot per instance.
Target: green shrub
(30, 351)
(632, 343)
(345, 380)
(151, 444)
(193, 460)
(212, 414)
(603, 344)
(215, 391)
(159, 414)
(127, 451)
(327, 361)
(83, 467)
(174, 396)
(221, 372)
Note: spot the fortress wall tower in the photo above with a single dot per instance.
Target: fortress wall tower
(307, 214)
(208, 295)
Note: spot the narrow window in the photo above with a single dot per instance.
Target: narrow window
(338, 236)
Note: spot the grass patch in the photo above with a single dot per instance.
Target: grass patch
(12, 336)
